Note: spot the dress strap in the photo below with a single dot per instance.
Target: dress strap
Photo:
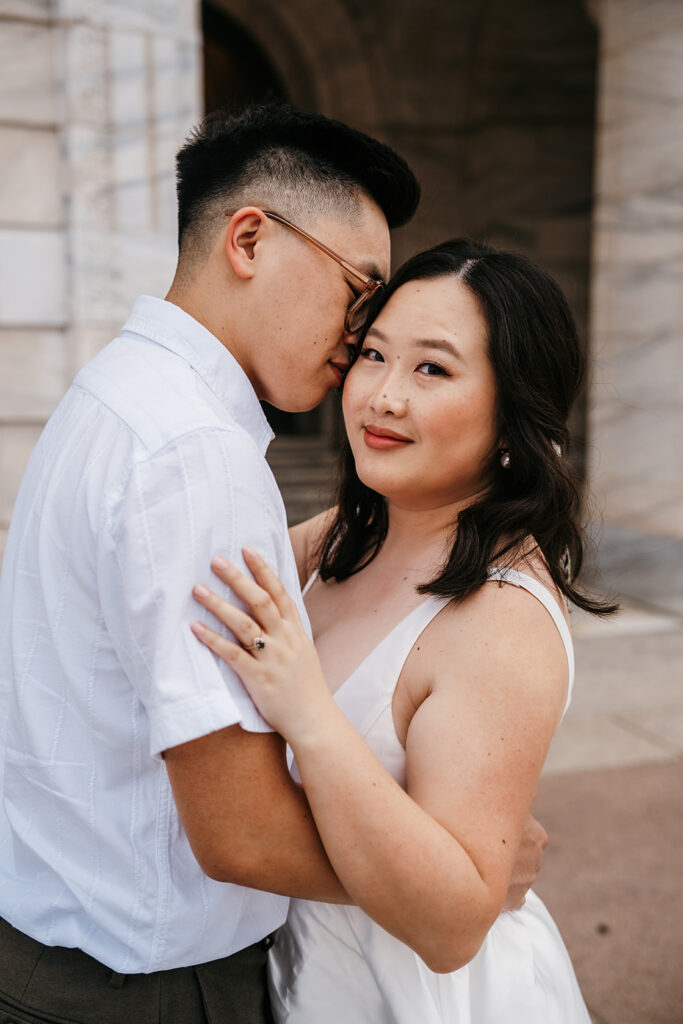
(541, 593)
(309, 582)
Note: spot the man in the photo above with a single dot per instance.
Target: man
(139, 779)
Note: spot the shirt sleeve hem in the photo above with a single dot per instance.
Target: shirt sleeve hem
(188, 720)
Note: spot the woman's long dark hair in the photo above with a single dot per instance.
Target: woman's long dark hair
(539, 367)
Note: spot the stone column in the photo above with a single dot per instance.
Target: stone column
(636, 416)
(95, 98)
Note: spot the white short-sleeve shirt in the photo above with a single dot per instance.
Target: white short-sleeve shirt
(152, 463)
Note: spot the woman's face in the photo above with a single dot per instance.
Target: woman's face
(420, 401)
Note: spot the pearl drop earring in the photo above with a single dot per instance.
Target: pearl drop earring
(505, 459)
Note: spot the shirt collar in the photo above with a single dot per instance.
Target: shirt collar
(176, 330)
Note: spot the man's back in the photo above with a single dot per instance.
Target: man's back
(152, 463)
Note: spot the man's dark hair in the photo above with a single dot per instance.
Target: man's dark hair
(539, 366)
(290, 159)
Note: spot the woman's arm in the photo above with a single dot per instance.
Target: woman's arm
(431, 866)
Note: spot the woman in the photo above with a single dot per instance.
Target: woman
(438, 607)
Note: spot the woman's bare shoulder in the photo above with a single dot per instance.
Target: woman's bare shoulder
(528, 559)
(306, 537)
(500, 629)
(500, 647)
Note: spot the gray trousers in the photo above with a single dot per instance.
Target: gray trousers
(53, 985)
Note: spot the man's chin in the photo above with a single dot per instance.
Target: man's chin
(298, 403)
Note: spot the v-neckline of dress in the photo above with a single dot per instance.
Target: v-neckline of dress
(406, 618)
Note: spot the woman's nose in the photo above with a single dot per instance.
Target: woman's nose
(389, 399)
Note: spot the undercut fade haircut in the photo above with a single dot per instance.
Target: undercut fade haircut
(299, 164)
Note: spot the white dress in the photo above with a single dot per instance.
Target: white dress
(334, 965)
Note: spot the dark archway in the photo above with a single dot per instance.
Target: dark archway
(236, 70)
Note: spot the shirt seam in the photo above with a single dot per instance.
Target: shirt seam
(150, 452)
(149, 328)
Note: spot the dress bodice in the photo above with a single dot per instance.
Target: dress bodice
(366, 694)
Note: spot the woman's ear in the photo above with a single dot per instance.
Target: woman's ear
(245, 230)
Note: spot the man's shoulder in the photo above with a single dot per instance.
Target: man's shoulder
(154, 394)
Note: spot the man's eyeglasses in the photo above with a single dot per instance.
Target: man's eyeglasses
(357, 313)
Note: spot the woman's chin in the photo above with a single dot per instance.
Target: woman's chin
(392, 490)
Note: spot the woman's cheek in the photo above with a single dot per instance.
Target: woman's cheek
(351, 395)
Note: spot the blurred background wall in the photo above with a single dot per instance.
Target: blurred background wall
(553, 128)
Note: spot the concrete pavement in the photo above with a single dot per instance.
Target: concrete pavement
(611, 798)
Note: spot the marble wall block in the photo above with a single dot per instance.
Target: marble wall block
(177, 102)
(636, 305)
(175, 17)
(147, 266)
(95, 277)
(639, 229)
(625, 24)
(36, 10)
(87, 134)
(636, 153)
(33, 374)
(33, 281)
(129, 79)
(650, 497)
(130, 98)
(85, 341)
(27, 94)
(30, 186)
(636, 407)
(110, 272)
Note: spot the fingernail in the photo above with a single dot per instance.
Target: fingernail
(221, 563)
(197, 628)
(249, 552)
(202, 591)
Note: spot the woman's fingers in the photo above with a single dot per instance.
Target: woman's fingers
(262, 606)
(248, 668)
(237, 621)
(267, 579)
(231, 653)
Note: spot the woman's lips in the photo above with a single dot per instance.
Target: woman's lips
(384, 440)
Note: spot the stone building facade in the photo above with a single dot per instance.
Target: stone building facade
(551, 128)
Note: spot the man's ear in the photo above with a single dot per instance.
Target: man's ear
(245, 230)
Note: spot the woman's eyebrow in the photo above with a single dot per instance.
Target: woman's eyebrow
(437, 343)
(442, 345)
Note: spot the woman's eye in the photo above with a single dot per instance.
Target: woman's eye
(372, 354)
(432, 370)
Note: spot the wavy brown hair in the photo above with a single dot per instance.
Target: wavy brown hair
(539, 365)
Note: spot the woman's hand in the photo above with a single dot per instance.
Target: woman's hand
(274, 658)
